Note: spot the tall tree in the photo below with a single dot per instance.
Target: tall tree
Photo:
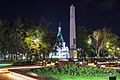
(101, 39)
(40, 39)
(49, 36)
(97, 41)
(82, 38)
(4, 27)
(17, 35)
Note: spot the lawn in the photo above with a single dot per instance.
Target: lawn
(67, 77)
(73, 72)
(1, 59)
(2, 65)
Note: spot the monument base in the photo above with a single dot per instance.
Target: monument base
(73, 54)
(75, 59)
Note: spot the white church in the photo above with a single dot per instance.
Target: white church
(60, 48)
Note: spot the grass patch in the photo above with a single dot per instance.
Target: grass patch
(1, 59)
(2, 65)
(68, 77)
(73, 72)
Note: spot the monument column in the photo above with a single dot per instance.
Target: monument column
(72, 32)
(72, 28)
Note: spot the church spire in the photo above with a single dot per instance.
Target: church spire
(59, 24)
(59, 27)
(60, 39)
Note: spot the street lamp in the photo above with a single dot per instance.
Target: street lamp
(107, 46)
(35, 40)
(118, 48)
(79, 51)
(35, 47)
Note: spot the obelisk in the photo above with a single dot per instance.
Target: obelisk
(72, 31)
(72, 28)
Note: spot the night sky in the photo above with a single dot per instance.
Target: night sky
(89, 13)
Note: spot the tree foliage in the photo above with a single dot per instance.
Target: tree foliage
(102, 40)
(4, 36)
(82, 38)
(20, 35)
(48, 35)
(40, 38)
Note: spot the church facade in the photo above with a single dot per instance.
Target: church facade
(60, 50)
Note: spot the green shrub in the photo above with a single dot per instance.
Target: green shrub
(77, 71)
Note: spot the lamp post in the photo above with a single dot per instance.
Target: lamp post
(35, 47)
(79, 52)
(35, 40)
(118, 48)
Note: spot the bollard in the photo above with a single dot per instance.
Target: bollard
(56, 65)
(49, 62)
(44, 63)
(112, 78)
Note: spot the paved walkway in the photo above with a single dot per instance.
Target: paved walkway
(26, 67)
(20, 76)
(5, 77)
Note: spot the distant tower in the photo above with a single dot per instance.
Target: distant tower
(72, 28)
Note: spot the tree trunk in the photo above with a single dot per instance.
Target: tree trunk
(21, 56)
(30, 57)
(36, 56)
(16, 57)
(97, 53)
(44, 56)
(27, 56)
(4, 56)
(11, 57)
